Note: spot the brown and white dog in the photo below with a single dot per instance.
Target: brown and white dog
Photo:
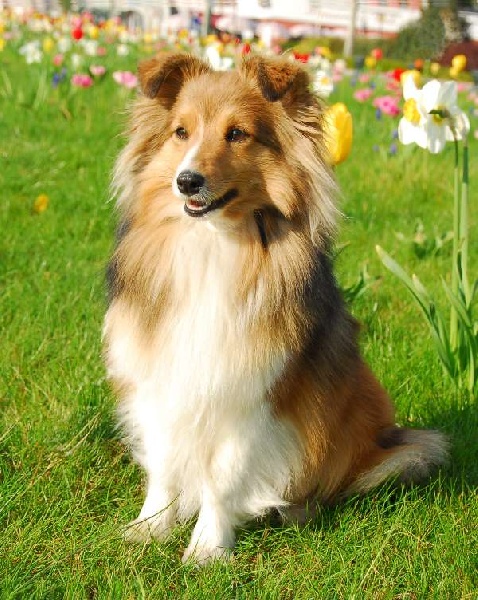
(236, 363)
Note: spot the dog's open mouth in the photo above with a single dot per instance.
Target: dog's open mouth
(196, 207)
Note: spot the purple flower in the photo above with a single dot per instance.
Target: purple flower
(58, 77)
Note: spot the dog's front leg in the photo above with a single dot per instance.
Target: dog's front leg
(158, 515)
(213, 536)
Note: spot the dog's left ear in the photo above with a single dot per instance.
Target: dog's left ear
(279, 80)
(162, 77)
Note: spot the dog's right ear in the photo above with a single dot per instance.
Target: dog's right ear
(163, 76)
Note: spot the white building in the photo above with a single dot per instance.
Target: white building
(269, 19)
(274, 18)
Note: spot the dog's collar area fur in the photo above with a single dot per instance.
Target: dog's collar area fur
(259, 219)
(219, 203)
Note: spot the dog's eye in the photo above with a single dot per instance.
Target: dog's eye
(236, 135)
(181, 133)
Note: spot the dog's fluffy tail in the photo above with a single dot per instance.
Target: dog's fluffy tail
(406, 454)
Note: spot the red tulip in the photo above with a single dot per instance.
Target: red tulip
(397, 74)
(77, 33)
(377, 53)
(304, 58)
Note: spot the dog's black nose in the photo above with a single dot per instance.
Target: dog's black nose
(190, 182)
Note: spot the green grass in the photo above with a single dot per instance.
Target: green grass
(67, 481)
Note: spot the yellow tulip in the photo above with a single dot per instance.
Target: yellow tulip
(41, 203)
(458, 62)
(93, 32)
(338, 132)
(417, 77)
(434, 68)
(2, 44)
(370, 62)
(148, 38)
(48, 45)
(324, 51)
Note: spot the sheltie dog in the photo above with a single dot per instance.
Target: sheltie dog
(236, 362)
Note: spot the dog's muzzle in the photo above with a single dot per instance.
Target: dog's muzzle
(198, 200)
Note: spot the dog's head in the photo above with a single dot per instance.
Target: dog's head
(221, 145)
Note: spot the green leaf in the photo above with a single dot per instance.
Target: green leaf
(427, 305)
(458, 305)
(397, 270)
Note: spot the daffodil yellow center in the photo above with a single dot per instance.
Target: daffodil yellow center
(410, 111)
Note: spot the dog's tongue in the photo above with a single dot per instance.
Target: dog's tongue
(195, 204)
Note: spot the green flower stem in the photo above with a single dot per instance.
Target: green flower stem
(456, 247)
(464, 225)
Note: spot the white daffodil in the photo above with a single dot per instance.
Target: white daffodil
(431, 116)
(64, 44)
(90, 47)
(31, 51)
(122, 50)
(323, 84)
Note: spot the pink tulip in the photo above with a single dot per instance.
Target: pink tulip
(463, 86)
(81, 80)
(363, 95)
(58, 60)
(97, 70)
(126, 79)
(388, 105)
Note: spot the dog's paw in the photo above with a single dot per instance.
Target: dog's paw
(143, 531)
(203, 555)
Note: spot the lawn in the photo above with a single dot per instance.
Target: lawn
(67, 480)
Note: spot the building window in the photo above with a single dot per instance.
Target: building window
(314, 6)
(264, 3)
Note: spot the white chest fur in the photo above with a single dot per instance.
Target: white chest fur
(198, 411)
